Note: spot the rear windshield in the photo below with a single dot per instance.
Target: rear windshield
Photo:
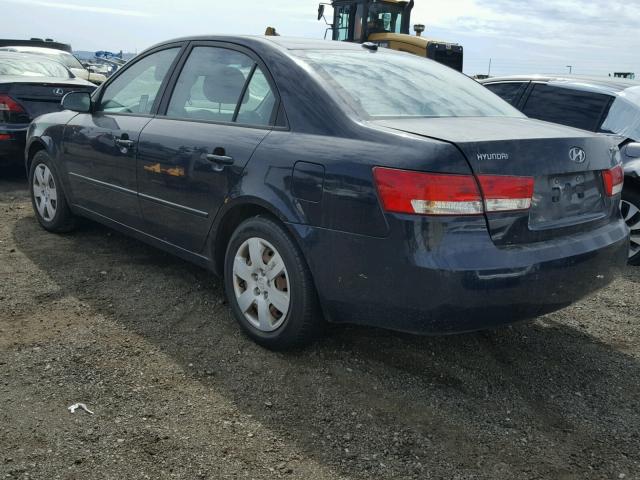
(64, 58)
(387, 84)
(32, 66)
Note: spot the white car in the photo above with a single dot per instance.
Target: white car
(65, 58)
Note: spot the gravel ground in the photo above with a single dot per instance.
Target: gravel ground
(146, 341)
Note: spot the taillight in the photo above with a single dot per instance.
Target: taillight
(405, 191)
(613, 180)
(8, 104)
(506, 193)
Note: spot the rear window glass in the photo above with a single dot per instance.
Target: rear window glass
(31, 66)
(575, 108)
(385, 84)
(509, 92)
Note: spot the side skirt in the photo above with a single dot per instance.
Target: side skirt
(187, 255)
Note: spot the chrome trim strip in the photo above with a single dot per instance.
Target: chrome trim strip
(190, 210)
(104, 184)
(167, 203)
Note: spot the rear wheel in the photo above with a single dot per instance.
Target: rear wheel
(269, 285)
(630, 208)
(48, 200)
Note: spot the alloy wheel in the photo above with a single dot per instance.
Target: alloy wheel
(261, 284)
(45, 193)
(631, 215)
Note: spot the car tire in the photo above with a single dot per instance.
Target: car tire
(630, 207)
(47, 196)
(269, 286)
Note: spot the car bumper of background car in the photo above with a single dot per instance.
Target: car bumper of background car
(12, 143)
(437, 277)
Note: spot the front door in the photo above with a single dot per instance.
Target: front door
(99, 148)
(221, 108)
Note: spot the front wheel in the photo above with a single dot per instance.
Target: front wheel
(630, 208)
(48, 199)
(269, 285)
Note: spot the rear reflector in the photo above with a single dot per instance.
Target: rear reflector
(4, 136)
(405, 191)
(613, 180)
(8, 104)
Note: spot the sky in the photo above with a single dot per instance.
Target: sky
(595, 37)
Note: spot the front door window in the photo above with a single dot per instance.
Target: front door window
(136, 89)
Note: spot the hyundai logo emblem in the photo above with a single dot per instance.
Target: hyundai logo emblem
(58, 91)
(577, 155)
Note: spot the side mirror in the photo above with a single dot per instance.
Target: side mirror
(632, 150)
(77, 102)
(320, 12)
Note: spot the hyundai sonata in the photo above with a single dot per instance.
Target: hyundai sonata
(339, 182)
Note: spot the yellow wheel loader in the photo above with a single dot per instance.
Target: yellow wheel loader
(386, 23)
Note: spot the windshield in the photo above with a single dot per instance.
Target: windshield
(624, 115)
(387, 84)
(384, 17)
(26, 66)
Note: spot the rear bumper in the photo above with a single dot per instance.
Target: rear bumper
(447, 276)
(12, 149)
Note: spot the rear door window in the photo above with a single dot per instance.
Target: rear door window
(258, 103)
(575, 108)
(509, 91)
(212, 83)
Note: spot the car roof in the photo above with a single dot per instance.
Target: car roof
(284, 43)
(612, 86)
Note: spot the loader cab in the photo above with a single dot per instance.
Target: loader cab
(355, 20)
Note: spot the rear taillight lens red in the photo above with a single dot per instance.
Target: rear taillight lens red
(8, 104)
(613, 180)
(406, 191)
(506, 193)
(4, 136)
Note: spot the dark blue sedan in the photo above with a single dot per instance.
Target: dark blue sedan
(330, 181)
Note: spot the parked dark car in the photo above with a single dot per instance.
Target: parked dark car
(334, 181)
(606, 105)
(29, 86)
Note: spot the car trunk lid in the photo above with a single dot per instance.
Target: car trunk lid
(566, 165)
(38, 98)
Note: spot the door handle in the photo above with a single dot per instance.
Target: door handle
(220, 159)
(124, 143)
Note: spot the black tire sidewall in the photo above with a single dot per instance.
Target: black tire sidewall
(631, 194)
(301, 291)
(61, 217)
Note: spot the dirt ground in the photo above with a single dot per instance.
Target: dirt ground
(146, 341)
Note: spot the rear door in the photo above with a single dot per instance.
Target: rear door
(100, 147)
(220, 105)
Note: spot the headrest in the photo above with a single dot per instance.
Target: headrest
(224, 86)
